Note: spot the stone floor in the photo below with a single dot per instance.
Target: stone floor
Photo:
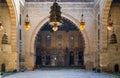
(61, 73)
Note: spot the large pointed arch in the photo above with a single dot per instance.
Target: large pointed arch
(38, 27)
(104, 42)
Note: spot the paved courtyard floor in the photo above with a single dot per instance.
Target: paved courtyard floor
(61, 73)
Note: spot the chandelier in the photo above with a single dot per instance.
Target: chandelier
(82, 23)
(5, 38)
(55, 27)
(55, 18)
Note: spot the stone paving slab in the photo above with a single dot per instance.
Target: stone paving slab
(63, 73)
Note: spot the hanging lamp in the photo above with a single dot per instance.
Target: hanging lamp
(55, 18)
(27, 19)
(82, 23)
(1, 27)
(55, 27)
(27, 22)
(110, 23)
(5, 38)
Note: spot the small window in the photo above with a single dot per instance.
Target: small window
(98, 34)
(48, 40)
(98, 19)
(20, 20)
(20, 34)
(71, 41)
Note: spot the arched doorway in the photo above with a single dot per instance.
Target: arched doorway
(80, 58)
(51, 46)
(3, 67)
(71, 60)
(30, 59)
(116, 68)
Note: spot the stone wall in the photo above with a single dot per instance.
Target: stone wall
(109, 53)
(39, 12)
(111, 56)
(7, 56)
(60, 47)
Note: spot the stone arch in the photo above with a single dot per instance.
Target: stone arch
(105, 13)
(13, 33)
(13, 25)
(75, 21)
(105, 8)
